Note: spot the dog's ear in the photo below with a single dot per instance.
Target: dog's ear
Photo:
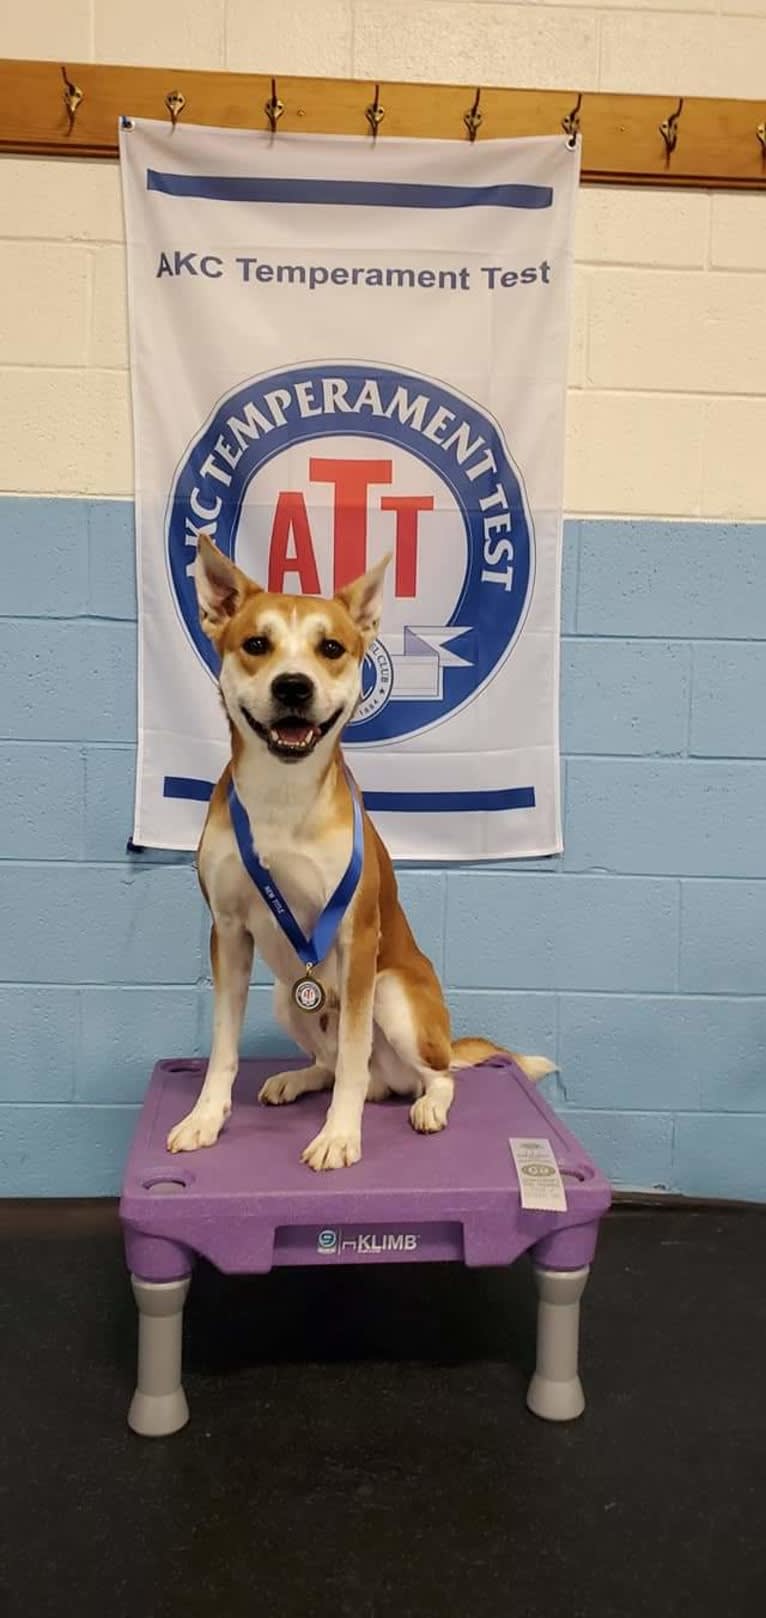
(363, 599)
(222, 587)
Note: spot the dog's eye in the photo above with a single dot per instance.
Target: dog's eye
(331, 649)
(255, 645)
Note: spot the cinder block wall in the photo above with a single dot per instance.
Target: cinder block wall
(638, 958)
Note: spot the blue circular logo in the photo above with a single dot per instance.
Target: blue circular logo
(327, 1240)
(377, 684)
(461, 579)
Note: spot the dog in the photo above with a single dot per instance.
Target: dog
(290, 679)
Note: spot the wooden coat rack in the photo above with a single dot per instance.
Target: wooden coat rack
(72, 110)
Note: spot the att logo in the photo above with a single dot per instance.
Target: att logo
(307, 475)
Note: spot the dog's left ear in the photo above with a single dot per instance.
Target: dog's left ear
(363, 600)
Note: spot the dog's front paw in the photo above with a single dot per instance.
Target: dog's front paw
(331, 1150)
(201, 1127)
(428, 1115)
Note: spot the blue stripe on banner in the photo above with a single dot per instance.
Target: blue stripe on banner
(185, 786)
(354, 193)
(448, 802)
(194, 791)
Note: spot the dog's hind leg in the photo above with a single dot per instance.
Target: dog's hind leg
(231, 955)
(417, 1030)
(299, 1081)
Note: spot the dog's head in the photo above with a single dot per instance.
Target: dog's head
(290, 665)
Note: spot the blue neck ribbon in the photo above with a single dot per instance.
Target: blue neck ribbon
(314, 949)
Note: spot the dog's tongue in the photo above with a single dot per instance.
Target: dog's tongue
(294, 732)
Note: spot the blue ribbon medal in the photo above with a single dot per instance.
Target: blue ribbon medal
(307, 993)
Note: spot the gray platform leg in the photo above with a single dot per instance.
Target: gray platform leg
(158, 1406)
(555, 1392)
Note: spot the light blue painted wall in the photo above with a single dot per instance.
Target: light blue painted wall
(638, 959)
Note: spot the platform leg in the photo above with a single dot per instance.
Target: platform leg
(158, 1406)
(555, 1392)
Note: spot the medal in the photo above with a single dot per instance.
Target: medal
(306, 993)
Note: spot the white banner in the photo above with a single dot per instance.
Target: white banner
(339, 348)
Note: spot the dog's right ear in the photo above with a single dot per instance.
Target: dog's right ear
(222, 587)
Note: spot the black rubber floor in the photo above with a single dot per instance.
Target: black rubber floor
(359, 1444)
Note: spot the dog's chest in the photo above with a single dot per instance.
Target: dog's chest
(304, 876)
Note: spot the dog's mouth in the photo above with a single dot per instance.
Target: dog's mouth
(292, 736)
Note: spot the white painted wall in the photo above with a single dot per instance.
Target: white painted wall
(667, 415)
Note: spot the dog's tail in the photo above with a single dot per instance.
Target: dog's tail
(470, 1052)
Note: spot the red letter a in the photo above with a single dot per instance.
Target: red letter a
(291, 517)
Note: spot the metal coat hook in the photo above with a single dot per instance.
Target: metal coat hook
(761, 134)
(375, 113)
(473, 119)
(274, 108)
(72, 97)
(571, 123)
(669, 129)
(175, 102)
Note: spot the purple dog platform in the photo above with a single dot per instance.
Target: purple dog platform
(249, 1204)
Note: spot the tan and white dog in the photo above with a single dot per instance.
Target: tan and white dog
(290, 680)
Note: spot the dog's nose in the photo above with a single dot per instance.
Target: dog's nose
(292, 690)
